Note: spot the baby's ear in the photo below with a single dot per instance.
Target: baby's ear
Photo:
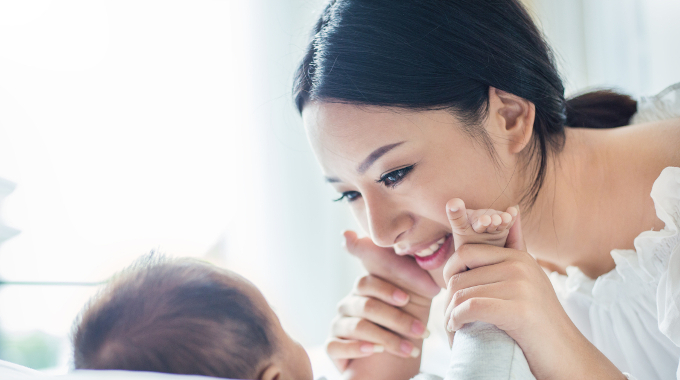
(272, 372)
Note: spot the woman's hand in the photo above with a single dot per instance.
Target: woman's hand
(402, 271)
(371, 320)
(506, 287)
(387, 311)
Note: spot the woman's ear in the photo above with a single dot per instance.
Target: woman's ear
(512, 117)
(272, 372)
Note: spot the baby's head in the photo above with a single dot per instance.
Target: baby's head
(188, 317)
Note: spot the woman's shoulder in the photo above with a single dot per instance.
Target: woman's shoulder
(656, 127)
(654, 256)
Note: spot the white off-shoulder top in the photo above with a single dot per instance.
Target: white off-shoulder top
(632, 314)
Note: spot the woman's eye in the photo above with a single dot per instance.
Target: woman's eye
(393, 178)
(349, 196)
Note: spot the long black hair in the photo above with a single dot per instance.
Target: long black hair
(445, 54)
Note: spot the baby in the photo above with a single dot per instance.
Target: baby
(187, 317)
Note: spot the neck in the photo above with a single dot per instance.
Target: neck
(579, 206)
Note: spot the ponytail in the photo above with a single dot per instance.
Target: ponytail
(600, 109)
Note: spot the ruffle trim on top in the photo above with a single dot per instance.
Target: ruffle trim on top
(636, 270)
(665, 105)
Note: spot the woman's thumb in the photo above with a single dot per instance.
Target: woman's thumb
(356, 246)
(515, 236)
(349, 240)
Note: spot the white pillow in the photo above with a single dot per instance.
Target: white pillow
(11, 371)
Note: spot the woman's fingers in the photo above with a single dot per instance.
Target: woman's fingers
(515, 235)
(400, 270)
(490, 310)
(471, 256)
(497, 290)
(342, 350)
(372, 286)
(490, 274)
(376, 338)
(339, 348)
(380, 313)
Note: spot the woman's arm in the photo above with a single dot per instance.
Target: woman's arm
(372, 315)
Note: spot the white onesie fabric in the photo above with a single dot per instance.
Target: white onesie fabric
(631, 314)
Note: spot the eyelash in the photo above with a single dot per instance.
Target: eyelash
(385, 179)
(398, 174)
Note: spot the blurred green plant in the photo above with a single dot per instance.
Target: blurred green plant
(35, 349)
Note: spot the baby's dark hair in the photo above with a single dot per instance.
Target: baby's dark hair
(175, 316)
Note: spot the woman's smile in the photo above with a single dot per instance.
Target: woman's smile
(432, 255)
(439, 257)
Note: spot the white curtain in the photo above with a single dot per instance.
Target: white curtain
(153, 124)
(629, 45)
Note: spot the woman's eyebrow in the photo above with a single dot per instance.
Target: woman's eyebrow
(366, 163)
(375, 155)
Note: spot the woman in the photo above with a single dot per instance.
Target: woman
(410, 104)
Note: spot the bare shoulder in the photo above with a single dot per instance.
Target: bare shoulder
(659, 140)
(647, 149)
(669, 138)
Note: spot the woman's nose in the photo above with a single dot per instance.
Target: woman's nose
(386, 221)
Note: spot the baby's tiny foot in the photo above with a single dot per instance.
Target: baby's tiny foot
(484, 226)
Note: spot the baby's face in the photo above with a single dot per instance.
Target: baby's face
(289, 357)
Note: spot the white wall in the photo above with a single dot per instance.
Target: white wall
(154, 124)
(630, 45)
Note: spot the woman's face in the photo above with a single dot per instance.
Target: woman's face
(396, 169)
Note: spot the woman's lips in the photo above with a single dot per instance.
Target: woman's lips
(431, 249)
(437, 257)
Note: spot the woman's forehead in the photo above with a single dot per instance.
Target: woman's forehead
(345, 134)
(354, 131)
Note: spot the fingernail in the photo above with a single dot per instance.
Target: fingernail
(454, 209)
(408, 348)
(371, 348)
(418, 328)
(400, 296)
(449, 327)
(426, 334)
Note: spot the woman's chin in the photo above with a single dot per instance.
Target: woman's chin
(438, 276)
